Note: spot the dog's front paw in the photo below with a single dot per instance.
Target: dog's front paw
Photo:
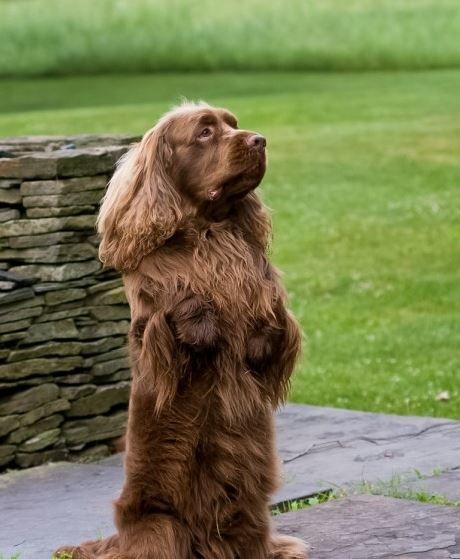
(261, 345)
(259, 349)
(195, 323)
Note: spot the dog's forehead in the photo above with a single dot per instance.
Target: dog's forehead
(202, 116)
(228, 117)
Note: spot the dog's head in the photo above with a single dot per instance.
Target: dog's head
(210, 159)
(194, 162)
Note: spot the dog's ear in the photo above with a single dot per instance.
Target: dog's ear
(141, 208)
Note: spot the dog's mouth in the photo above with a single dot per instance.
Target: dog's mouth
(238, 184)
(225, 187)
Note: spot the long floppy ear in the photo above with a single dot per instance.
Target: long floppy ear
(141, 208)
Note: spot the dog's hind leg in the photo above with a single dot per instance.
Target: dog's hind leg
(158, 536)
(287, 547)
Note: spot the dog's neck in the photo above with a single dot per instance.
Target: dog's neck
(244, 216)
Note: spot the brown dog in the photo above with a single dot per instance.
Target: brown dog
(212, 344)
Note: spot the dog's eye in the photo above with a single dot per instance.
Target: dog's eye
(205, 133)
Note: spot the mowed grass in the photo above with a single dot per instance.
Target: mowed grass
(364, 183)
(63, 37)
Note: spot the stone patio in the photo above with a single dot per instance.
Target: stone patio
(322, 449)
(371, 527)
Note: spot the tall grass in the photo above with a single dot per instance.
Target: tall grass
(63, 37)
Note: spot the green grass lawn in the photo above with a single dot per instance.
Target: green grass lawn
(364, 182)
(64, 37)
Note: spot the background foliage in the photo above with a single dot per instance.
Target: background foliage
(63, 37)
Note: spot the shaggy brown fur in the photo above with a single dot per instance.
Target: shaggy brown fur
(212, 344)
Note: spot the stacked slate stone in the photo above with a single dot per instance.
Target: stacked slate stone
(64, 373)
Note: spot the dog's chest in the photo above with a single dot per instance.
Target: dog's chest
(222, 267)
(233, 273)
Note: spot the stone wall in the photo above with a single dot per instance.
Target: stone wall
(64, 373)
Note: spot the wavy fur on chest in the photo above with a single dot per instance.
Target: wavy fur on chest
(228, 275)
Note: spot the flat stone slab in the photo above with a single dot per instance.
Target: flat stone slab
(322, 448)
(57, 503)
(446, 484)
(24, 144)
(370, 527)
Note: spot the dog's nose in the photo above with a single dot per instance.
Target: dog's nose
(256, 141)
